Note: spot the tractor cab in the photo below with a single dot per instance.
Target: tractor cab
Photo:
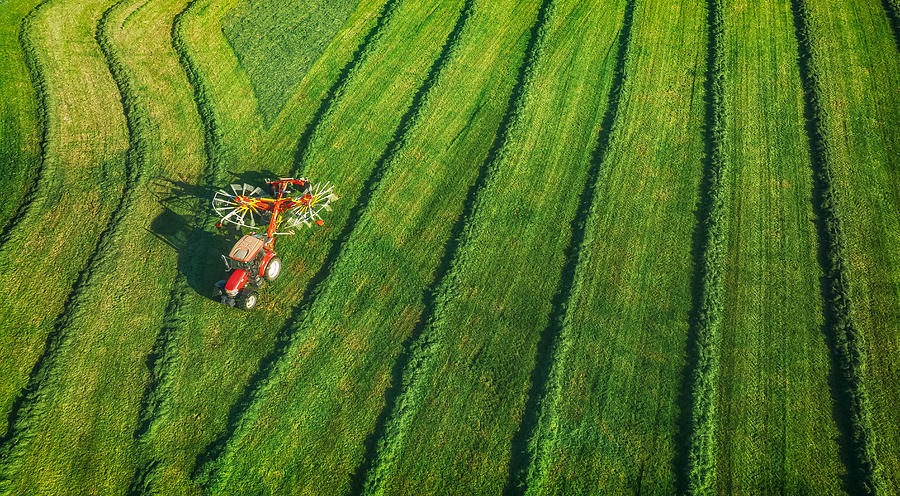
(246, 254)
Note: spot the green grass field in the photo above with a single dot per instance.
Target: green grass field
(581, 247)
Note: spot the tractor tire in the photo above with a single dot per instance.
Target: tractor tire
(248, 300)
(273, 268)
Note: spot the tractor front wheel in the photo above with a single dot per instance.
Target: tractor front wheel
(248, 300)
(273, 268)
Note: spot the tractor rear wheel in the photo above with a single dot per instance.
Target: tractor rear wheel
(248, 300)
(273, 268)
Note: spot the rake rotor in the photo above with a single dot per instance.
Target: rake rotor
(247, 206)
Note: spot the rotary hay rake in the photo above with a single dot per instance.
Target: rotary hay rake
(253, 259)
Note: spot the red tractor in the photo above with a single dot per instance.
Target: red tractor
(253, 259)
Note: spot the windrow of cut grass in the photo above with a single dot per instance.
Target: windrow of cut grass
(23, 103)
(710, 253)
(852, 128)
(775, 432)
(82, 180)
(268, 38)
(529, 460)
(616, 423)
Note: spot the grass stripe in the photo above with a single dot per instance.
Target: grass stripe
(31, 403)
(404, 396)
(842, 334)
(696, 464)
(529, 462)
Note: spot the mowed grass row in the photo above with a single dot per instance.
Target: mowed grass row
(700, 415)
(775, 431)
(859, 123)
(619, 419)
(22, 114)
(332, 394)
(45, 261)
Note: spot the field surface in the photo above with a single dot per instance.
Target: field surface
(581, 247)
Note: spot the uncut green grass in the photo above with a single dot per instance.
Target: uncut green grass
(378, 282)
(19, 133)
(618, 411)
(858, 65)
(270, 37)
(83, 166)
(775, 430)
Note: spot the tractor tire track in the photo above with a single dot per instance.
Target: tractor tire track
(695, 460)
(404, 396)
(246, 410)
(534, 437)
(161, 361)
(337, 88)
(31, 405)
(843, 337)
(10, 234)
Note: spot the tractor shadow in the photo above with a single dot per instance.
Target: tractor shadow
(187, 225)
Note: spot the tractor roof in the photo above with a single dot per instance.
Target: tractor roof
(246, 248)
